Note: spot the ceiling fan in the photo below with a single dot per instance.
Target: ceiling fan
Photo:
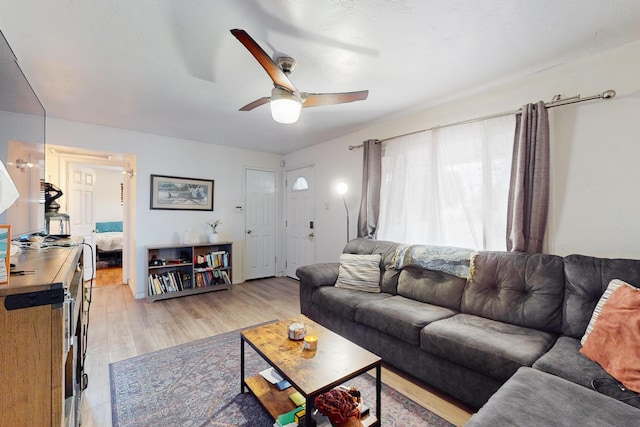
(286, 101)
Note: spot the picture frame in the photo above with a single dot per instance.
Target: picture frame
(5, 253)
(178, 193)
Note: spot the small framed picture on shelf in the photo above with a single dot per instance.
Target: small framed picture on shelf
(176, 193)
(5, 252)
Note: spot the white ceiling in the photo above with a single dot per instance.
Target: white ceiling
(173, 68)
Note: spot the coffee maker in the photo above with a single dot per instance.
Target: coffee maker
(56, 223)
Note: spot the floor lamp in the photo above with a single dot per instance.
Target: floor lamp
(342, 188)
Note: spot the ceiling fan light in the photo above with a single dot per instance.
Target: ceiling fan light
(285, 106)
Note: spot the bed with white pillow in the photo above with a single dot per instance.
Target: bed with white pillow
(109, 242)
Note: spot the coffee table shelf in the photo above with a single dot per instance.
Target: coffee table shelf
(336, 361)
(277, 402)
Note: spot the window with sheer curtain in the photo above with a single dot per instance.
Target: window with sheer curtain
(448, 186)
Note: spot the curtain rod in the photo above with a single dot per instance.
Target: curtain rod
(557, 101)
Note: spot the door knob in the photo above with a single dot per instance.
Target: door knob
(310, 235)
(248, 231)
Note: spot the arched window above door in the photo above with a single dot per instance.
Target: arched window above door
(300, 184)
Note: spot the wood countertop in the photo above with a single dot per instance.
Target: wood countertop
(51, 266)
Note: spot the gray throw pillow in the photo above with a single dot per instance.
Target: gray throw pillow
(359, 272)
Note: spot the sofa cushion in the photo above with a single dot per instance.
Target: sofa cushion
(400, 317)
(614, 341)
(489, 347)
(521, 289)
(434, 287)
(386, 250)
(586, 280)
(343, 302)
(359, 272)
(565, 360)
(534, 398)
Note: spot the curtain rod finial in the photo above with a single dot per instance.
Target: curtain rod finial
(608, 94)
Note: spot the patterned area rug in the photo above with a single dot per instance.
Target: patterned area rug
(198, 384)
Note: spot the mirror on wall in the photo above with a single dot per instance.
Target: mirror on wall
(22, 145)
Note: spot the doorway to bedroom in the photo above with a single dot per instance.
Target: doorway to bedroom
(96, 186)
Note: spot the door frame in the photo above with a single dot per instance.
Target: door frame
(92, 157)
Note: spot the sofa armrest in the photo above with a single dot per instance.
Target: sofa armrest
(311, 278)
(316, 275)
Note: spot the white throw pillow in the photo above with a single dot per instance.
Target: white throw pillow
(613, 285)
(359, 272)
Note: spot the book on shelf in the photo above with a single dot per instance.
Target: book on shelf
(297, 398)
(287, 418)
(155, 285)
(187, 283)
(171, 281)
(151, 286)
(220, 259)
(271, 375)
(213, 259)
(210, 277)
(225, 277)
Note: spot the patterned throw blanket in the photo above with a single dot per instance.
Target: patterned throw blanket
(450, 260)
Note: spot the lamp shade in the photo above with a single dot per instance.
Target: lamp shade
(285, 106)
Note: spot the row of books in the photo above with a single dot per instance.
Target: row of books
(216, 259)
(171, 281)
(210, 276)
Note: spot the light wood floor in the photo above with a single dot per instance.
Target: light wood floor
(121, 327)
(108, 276)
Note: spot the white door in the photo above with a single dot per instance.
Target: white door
(260, 224)
(81, 181)
(300, 217)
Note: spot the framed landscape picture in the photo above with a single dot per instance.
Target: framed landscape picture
(176, 193)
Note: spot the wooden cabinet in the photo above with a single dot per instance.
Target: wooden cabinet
(179, 270)
(41, 319)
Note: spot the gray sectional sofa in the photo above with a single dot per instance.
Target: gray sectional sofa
(515, 315)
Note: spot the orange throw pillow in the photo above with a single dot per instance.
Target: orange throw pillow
(614, 342)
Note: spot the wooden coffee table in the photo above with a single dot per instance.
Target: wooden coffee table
(311, 372)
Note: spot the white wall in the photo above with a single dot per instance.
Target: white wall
(595, 147)
(333, 163)
(175, 157)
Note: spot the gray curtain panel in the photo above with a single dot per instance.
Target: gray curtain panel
(370, 202)
(528, 202)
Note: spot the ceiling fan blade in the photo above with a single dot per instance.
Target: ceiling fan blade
(258, 102)
(319, 99)
(275, 72)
